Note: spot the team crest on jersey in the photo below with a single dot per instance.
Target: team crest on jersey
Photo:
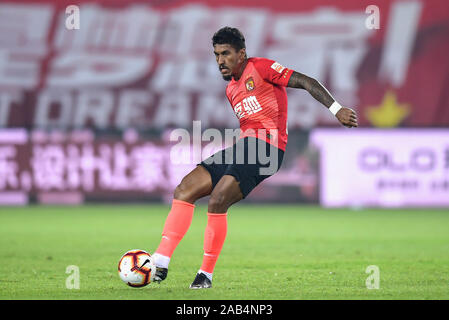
(250, 84)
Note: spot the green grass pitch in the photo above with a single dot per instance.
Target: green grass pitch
(271, 252)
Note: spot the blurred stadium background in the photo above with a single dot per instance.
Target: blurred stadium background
(86, 115)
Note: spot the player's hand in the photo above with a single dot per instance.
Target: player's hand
(347, 117)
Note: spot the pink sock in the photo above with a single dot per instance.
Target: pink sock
(176, 225)
(214, 237)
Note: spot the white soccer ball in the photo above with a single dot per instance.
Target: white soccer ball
(136, 268)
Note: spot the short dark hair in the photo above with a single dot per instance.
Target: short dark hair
(231, 36)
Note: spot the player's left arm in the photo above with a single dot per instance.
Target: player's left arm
(346, 116)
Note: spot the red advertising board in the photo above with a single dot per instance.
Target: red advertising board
(149, 64)
(71, 167)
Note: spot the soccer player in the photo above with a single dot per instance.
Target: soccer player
(257, 94)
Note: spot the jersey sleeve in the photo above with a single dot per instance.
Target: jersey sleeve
(273, 71)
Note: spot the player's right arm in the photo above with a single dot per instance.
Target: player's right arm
(346, 116)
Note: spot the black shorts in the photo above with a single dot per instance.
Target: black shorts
(250, 161)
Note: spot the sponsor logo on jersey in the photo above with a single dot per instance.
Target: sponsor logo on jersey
(277, 67)
(247, 106)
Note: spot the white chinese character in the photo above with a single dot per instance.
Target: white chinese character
(8, 168)
(238, 110)
(147, 163)
(48, 163)
(251, 105)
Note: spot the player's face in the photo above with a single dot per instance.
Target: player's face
(228, 59)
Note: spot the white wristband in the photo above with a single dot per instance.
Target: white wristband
(335, 107)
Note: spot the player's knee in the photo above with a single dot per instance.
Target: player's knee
(183, 193)
(190, 192)
(218, 203)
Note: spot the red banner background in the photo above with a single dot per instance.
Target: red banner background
(149, 64)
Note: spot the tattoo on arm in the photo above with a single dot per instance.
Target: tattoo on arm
(316, 90)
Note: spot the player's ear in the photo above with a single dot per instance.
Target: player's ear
(242, 54)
